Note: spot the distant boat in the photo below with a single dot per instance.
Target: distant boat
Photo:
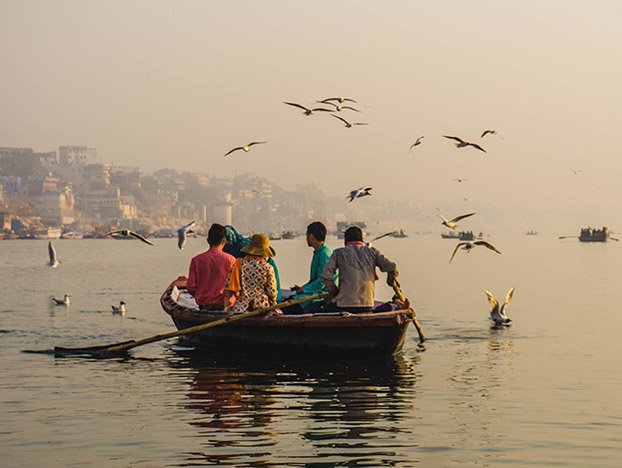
(594, 235)
(275, 237)
(461, 235)
(288, 235)
(72, 235)
(531, 233)
(589, 234)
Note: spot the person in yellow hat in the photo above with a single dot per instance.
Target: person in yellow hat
(251, 284)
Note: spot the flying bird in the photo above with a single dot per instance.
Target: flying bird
(461, 180)
(245, 148)
(340, 100)
(358, 193)
(498, 315)
(338, 107)
(453, 222)
(119, 310)
(306, 110)
(182, 233)
(575, 171)
(470, 245)
(488, 132)
(127, 232)
(64, 301)
(460, 143)
(53, 261)
(348, 124)
(386, 234)
(416, 143)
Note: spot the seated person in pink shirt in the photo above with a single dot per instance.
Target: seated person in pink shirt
(209, 271)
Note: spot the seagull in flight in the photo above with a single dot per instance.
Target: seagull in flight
(358, 193)
(488, 132)
(575, 171)
(460, 143)
(386, 234)
(306, 110)
(340, 100)
(459, 179)
(245, 148)
(453, 222)
(119, 310)
(498, 315)
(182, 234)
(470, 245)
(416, 143)
(348, 124)
(64, 301)
(127, 232)
(338, 107)
(53, 261)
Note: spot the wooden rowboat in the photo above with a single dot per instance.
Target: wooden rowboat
(374, 333)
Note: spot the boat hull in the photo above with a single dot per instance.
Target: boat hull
(373, 333)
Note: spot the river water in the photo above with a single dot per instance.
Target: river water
(543, 392)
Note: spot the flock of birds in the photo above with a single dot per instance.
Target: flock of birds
(333, 106)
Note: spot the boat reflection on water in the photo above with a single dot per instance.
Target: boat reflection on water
(267, 411)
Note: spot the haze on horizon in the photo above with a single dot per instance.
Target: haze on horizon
(159, 84)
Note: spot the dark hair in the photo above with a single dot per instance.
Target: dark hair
(353, 233)
(216, 234)
(318, 230)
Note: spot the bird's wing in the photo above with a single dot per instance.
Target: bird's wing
(139, 237)
(360, 123)
(181, 239)
(454, 138)
(295, 105)
(340, 118)
(367, 189)
(257, 143)
(51, 251)
(441, 216)
(321, 109)
(327, 101)
(475, 145)
(349, 100)
(113, 232)
(492, 302)
(486, 132)
(189, 225)
(460, 244)
(383, 235)
(458, 218)
(232, 150)
(351, 108)
(487, 245)
(509, 295)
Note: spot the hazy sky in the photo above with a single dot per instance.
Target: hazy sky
(176, 84)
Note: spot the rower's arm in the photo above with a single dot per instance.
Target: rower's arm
(328, 275)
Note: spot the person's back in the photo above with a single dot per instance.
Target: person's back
(356, 264)
(252, 281)
(209, 271)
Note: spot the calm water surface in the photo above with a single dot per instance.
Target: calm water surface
(544, 392)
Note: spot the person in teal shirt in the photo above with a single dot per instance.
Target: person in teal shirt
(234, 243)
(316, 238)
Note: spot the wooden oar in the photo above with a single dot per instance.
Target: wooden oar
(118, 348)
(400, 296)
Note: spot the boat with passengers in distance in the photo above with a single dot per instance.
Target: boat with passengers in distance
(595, 235)
(376, 333)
